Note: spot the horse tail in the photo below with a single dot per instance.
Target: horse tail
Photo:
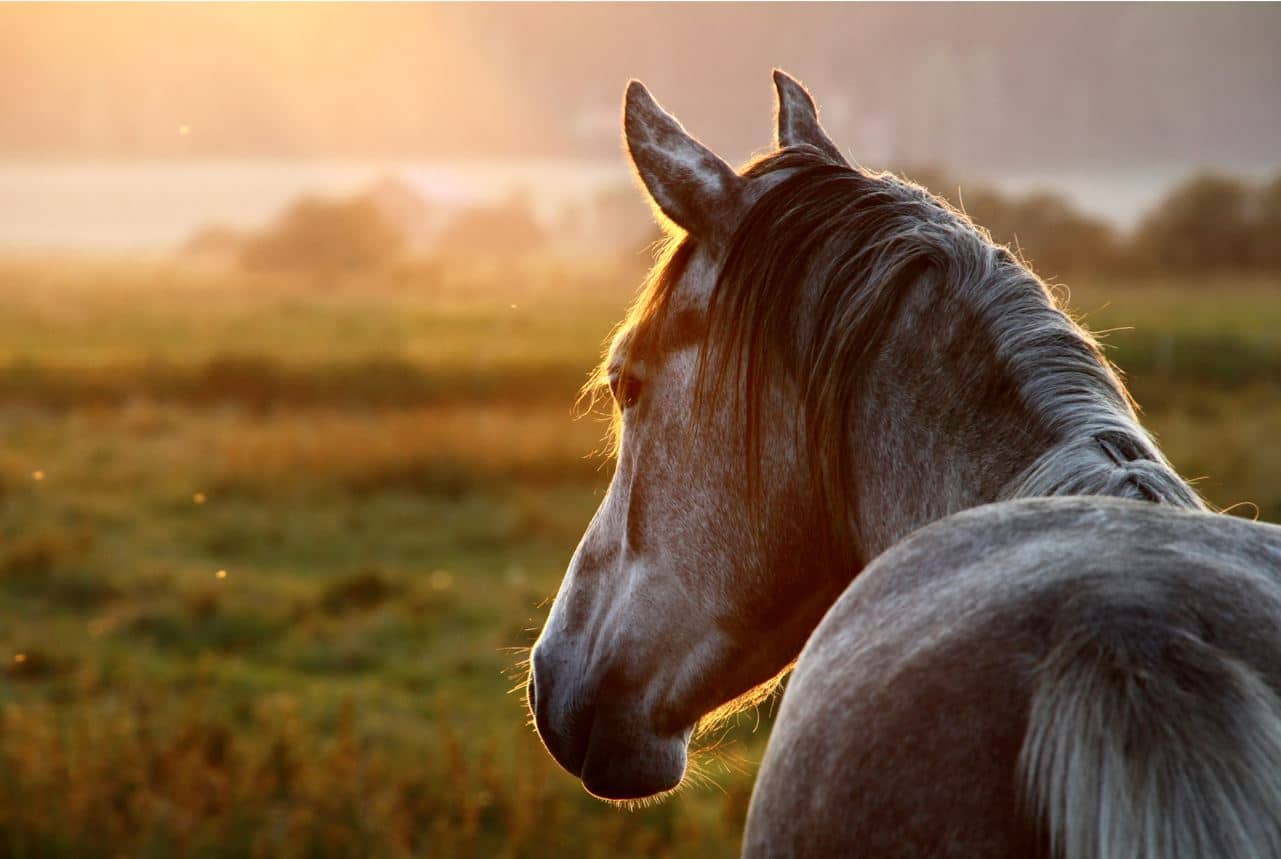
(1145, 742)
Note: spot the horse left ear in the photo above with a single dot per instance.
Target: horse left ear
(688, 182)
(798, 119)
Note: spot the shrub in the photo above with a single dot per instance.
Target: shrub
(1044, 227)
(1266, 244)
(1203, 225)
(1047, 230)
(214, 243)
(324, 237)
(505, 230)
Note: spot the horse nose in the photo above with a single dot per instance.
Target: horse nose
(563, 723)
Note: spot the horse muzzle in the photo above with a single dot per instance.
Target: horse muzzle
(591, 724)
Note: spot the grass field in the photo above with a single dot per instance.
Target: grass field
(269, 550)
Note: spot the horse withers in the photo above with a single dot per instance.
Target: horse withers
(830, 378)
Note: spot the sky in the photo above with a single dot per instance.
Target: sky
(1028, 86)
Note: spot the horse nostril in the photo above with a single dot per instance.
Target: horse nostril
(564, 727)
(568, 742)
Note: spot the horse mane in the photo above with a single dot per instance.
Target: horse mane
(815, 275)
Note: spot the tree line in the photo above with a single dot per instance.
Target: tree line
(1209, 223)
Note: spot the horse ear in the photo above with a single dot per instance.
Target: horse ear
(798, 118)
(688, 182)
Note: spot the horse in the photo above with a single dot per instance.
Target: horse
(854, 435)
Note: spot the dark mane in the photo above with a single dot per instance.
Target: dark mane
(815, 277)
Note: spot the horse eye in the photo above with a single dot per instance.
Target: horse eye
(626, 390)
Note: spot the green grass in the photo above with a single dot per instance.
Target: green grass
(390, 474)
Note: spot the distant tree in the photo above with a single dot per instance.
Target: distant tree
(624, 219)
(214, 243)
(1049, 232)
(1202, 225)
(404, 209)
(324, 237)
(505, 230)
(1267, 226)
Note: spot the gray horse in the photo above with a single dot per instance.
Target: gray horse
(830, 367)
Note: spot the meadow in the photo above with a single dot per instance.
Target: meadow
(270, 548)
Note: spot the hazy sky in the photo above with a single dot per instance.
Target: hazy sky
(1036, 85)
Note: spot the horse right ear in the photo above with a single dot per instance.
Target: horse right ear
(798, 119)
(687, 182)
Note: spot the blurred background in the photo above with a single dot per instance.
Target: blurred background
(295, 302)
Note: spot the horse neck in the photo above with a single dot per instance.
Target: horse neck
(986, 392)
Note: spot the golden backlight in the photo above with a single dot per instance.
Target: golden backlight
(295, 304)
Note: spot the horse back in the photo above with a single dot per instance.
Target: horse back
(901, 731)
